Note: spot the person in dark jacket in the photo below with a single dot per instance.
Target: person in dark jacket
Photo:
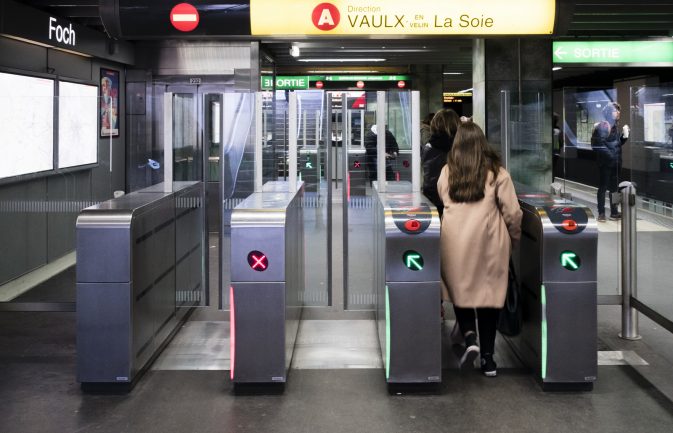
(607, 141)
(392, 149)
(444, 126)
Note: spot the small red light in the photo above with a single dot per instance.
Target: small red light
(401, 84)
(405, 163)
(360, 84)
(356, 164)
(319, 84)
(570, 225)
(412, 225)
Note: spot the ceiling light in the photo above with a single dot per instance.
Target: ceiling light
(465, 90)
(342, 60)
(453, 73)
(556, 68)
(294, 50)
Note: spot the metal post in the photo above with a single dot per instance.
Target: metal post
(504, 127)
(292, 142)
(168, 142)
(627, 197)
(416, 141)
(259, 140)
(381, 141)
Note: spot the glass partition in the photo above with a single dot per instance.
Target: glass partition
(54, 164)
(311, 158)
(577, 172)
(526, 138)
(648, 162)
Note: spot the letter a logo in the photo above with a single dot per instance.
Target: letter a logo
(325, 16)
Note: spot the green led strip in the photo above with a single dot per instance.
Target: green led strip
(387, 334)
(543, 294)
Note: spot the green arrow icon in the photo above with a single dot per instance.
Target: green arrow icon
(309, 164)
(570, 260)
(670, 164)
(413, 260)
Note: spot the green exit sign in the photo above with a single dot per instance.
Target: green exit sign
(413, 260)
(645, 53)
(285, 82)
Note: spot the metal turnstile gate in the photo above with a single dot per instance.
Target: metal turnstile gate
(558, 282)
(408, 287)
(267, 282)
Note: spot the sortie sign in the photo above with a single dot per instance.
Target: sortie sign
(656, 53)
(402, 17)
(184, 17)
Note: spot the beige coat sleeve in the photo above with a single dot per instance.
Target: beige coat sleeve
(508, 205)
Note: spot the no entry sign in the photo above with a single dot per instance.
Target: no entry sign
(184, 17)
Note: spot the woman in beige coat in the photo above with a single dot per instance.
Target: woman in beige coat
(481, 221)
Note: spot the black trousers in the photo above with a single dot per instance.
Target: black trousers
(608, 181)
(488, 322)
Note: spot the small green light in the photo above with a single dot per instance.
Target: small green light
(570, 260)
(413, 260)
(387, 334)
(670, 164)
(543, 298)
(309, 164)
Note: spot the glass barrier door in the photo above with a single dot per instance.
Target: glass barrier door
(577, 174)
(648, 163)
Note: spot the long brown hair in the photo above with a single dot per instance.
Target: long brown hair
(445, 121)
(470, 160)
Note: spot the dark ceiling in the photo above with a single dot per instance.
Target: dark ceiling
(590, 18)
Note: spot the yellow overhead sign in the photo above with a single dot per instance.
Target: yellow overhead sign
(401, 17)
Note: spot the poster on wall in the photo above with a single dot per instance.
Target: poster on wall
(109, 102)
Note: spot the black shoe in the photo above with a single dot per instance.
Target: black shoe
(601, 218)
(615, 216)
(471, 350)
(488, 365)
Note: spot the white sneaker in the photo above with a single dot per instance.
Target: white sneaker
(471, 350)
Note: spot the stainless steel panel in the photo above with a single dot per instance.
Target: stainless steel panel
(572, 332)
(104, 333)
(259, 332)
(415, 332)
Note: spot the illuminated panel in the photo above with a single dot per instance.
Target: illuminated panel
(401, 17)
(232, 337)
(543, 295)
(413, 260)
(387, 334)
(570, 260)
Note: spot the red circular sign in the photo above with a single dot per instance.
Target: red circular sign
(360, 84)
(325, 16)
(184, 17)
(401, 84)
(318, 84)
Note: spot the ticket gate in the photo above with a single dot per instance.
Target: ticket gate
(139, 259)
(267, 281)
(357, 172)
(310, 169)
(408, 288)
(558, 276)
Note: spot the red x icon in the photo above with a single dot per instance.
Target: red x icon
(258, 261)
(356, 164)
